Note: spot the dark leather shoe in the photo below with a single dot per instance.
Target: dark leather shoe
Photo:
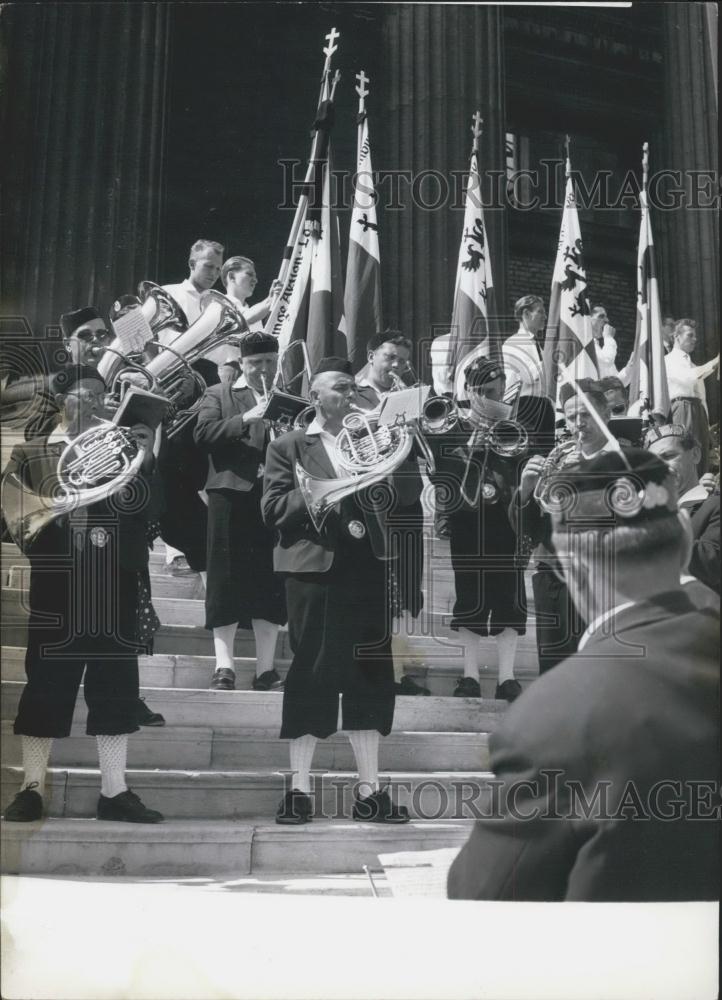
(146, 717)
(295, 808)
(408, 686)
(378, 808)
(508, 691)
(26, 807)
(126, 808)
(223, 679)
(270, 680)
(467, 687)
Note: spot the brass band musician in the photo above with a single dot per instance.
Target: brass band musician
(337, 591)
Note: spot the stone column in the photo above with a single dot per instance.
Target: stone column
(441, 64)
(83, 194)
(692, 234)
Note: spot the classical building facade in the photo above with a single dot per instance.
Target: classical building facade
(136, 128)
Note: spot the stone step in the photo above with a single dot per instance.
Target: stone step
(183, 632)
(176, 848)
(17, 577)
(227, 747)
(166, 746)
(184, 794)
(159, 670)
(169, 670)
(262, 710)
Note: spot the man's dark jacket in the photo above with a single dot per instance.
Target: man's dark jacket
(634, 718)
(235, 449)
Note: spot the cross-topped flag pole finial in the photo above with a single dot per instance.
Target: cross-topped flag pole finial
(362, 91)
(477, 122)
(567, 146)
(329, 49)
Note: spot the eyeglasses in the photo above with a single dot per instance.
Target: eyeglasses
(89, 336)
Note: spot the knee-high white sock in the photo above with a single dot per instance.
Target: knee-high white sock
(365, 745)
(301, 752)
(265, 634)
(506, 643)
(112, 754)
(471, 653)
(223, 638)
(36, 753)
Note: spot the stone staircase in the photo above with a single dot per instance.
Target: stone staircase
(217, 769)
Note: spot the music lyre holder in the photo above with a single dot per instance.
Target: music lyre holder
(283, 408)
(404, 406)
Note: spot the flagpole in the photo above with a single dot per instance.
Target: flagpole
(645, 402)
(328, 51)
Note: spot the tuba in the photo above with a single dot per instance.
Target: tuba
(162, 313)
(94, 466)
(367, 450)
(161, 309)
(170, 369)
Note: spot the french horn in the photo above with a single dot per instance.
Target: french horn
(367, 450)
(93, 466)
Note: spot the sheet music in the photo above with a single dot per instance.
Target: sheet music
(133, 330)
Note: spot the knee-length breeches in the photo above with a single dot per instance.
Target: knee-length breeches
(489, 581)
(241, 582)
(339, 629)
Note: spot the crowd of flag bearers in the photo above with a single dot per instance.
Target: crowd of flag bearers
(605, 493)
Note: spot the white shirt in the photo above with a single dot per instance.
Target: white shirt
(522, 363)
(694, 495)
(606, 356)
(188, 298)
(328, 440)
(601, 620)
(685, 378)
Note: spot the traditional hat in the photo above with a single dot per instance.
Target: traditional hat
(483, 370)
(67, 378)
(69, 322)
(658, 431)
(258, 343)
(334, 364)
(612, 490)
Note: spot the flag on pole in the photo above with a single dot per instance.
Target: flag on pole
(325, 328)
(362, 297)
(569, 343)
(473, 289)
(648, 374)
(310, 305)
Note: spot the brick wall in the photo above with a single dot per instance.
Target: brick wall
(614, 289)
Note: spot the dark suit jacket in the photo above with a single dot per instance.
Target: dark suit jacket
(300, 548)
(638, 706)
(705, 561)
(35, 463)
(235, 450)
